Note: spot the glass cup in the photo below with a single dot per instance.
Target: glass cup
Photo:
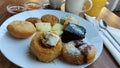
(77, 6)
(96, 8)
(14, 9)
(32, 6)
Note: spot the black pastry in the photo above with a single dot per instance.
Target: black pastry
(73, 32)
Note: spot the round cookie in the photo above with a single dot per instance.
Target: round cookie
(50, 18)
(21, 29)
(33, 20)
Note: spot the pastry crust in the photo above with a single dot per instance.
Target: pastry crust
(33, 20)
(50, 18)
(21, 29)
(42, 53)
(78, 59)
(91, 55)
(72, 59)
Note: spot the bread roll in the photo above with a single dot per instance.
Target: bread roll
(21, 29)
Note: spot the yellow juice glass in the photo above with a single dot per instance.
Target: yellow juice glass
(96, 8)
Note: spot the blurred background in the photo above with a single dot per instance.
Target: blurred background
(114, 5)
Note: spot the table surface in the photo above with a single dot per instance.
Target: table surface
(104, 61)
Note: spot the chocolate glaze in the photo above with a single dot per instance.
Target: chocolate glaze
(73, 32)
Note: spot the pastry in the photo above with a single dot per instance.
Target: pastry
(43, 27)
(50, 18)
(68, 19)
(73, 32)
(33, 20)
(58, 28)
(77, 52)
(21, 29)
(46, 46)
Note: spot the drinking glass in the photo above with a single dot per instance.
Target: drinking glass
(96, 8)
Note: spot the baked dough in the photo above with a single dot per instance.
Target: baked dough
(21, 29)
(33, 20)
(50, 18)
(43, 53)
(84, 54)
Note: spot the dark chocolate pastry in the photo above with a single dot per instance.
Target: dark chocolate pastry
(73, 32)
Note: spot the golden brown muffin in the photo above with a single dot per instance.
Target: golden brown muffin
(50, 18)
(21, 29)
(33, 20)
(44, 54)
(81, 55)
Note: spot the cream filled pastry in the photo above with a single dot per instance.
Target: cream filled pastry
(50, 39)
(46, 46)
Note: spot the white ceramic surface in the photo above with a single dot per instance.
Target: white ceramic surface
(16, 50)
(77, 6)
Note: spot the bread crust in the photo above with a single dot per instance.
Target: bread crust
(21, 29)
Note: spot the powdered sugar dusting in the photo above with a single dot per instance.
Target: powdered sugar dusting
(72, 49)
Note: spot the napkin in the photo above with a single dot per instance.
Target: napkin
(109, 42)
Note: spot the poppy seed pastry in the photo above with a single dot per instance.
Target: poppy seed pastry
(73, 32)
(21, 29)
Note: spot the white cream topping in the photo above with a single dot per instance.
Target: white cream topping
(51, 39)
(72, 49)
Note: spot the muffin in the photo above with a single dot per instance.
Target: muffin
(21, 29)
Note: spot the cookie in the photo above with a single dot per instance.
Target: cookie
(50, 18)
(33, 20)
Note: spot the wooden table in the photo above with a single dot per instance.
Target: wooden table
(104, 61)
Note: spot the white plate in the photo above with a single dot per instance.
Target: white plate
(16, 50)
